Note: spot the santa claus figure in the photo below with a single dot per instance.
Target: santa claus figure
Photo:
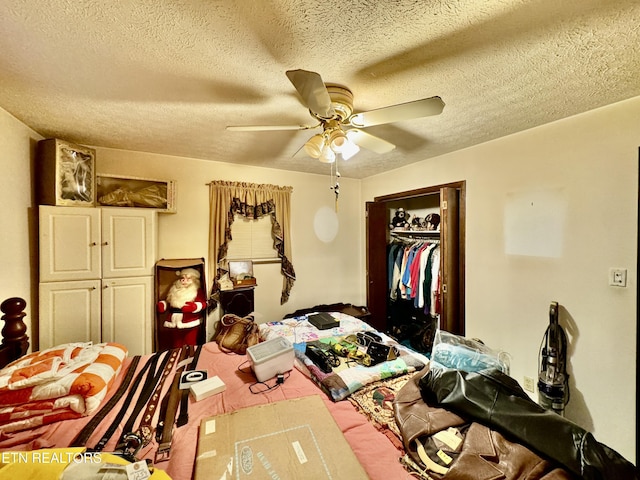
(185, 300)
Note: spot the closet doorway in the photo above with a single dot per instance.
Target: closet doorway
(448, 200)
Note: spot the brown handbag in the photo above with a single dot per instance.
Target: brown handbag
(236, 333)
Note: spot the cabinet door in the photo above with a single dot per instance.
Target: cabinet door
(69, 312)
(128, 242)
(69, 243)
(127, 313)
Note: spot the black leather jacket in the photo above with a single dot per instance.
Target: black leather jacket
(494, 399)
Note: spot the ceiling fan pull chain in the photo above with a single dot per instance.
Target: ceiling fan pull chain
(336, 184)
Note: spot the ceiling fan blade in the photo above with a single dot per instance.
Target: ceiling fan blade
(313, 91)
(396, 113)
(301, 153)
(368, 141)
(262, 128)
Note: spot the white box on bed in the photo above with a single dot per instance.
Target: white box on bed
(271, 357)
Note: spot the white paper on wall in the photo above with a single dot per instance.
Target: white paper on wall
(534, 222)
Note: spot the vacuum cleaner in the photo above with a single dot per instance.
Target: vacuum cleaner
(553, 380)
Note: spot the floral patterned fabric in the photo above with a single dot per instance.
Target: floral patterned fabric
(350, 376)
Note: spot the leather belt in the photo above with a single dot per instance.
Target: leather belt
(84, 434)
(164, 431)
(150, 385)
(183, 418)
(145, 429)
(149, 365)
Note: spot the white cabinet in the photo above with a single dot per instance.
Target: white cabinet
(124, 302)
(69, 244)
(96, 276)
(69, 312)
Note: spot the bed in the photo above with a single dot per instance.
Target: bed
(15, 342)
(383, 416)
(379, 455)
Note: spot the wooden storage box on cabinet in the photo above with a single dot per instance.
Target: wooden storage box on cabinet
(96, 270)
(66, 174)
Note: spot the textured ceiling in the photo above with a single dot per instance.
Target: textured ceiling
(168, 76)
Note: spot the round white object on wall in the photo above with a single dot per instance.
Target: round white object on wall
(325, 224)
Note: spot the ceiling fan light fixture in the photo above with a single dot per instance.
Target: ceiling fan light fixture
(314, 146)
(328, 156)
(337, 140)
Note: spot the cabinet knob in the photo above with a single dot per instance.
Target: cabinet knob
(105, 243)
(93, 244)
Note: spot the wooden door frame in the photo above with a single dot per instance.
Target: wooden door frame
(461, 235)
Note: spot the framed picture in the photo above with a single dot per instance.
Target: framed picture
(119, 191)
(66, 173)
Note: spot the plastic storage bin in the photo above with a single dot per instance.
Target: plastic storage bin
(271, 357)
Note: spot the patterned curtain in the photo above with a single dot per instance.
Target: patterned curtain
(253, 201)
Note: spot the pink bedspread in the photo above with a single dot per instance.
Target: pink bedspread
(378, 455)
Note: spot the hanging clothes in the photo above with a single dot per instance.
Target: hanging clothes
(413, 269)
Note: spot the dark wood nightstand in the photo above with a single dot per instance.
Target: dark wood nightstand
(238, 301)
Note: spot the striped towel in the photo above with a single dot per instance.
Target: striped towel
(67, 381)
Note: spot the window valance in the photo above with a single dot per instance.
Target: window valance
(253, 201)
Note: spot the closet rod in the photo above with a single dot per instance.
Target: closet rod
(410, 239)
(415, 233)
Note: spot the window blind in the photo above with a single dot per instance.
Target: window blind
(252, 239)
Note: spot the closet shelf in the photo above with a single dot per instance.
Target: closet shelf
(402, 233)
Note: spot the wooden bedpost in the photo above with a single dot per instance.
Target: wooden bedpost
(14, 335)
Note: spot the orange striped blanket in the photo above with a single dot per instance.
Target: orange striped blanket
(67, 381)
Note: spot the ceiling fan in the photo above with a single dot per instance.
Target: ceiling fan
(332, 106)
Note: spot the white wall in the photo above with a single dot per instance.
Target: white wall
(325, 272)
(18, 219)
(586, 167)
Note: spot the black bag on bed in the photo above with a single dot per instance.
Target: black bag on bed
(496, 400)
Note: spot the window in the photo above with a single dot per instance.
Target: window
(252, 240)
(225, 197)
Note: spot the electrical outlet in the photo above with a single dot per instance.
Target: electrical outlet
(618, 277)
(529, 384)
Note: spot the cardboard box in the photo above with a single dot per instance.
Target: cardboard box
(206, 388)
(165, 276)
(289, 439)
